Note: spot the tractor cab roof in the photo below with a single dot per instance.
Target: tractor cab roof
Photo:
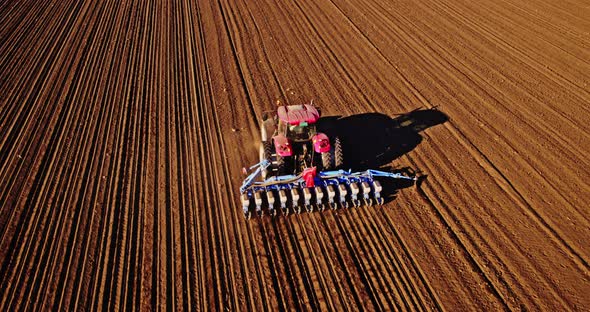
(296, 114)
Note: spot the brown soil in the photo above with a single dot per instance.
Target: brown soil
(124, 126)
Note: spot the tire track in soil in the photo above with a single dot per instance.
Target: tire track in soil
(284, 96)
(69, 232)
(309, 272)
(186, 233)
(574, 176)
(400, 271)
(11, 46)
(562, 118)
(304, 282)
(12, 169)
(212, 142)
(299, 261)
(58, 139)
(88, 243)
(262, 288)
(340, 64)
(106, 277)
(201, 99)
(9, 129)
(236, 210)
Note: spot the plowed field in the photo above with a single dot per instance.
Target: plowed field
(124, 126)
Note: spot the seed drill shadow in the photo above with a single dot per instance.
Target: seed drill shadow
(374, 140)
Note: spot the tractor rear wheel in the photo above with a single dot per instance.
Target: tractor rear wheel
(327, 160)
(266, 154)
(338, 153)
(279, 164)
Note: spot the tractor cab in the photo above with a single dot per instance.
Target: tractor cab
(297, 122)
(295, 144)
(302, 132)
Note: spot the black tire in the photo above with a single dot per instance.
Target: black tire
(266, 153)
(327, 160)
(338, 154)
(280, 164)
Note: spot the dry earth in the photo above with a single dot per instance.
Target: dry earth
(124, 126)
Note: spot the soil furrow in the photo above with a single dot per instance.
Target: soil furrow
(124, 127)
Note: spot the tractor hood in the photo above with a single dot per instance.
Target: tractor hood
(295, 114)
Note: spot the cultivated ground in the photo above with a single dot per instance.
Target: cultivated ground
(124, 126)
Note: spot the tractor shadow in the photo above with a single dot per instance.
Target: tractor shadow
(374, 140)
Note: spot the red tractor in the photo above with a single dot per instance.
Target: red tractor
(294, 143)
(301, 168)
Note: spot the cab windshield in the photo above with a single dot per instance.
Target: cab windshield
(301, 132)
